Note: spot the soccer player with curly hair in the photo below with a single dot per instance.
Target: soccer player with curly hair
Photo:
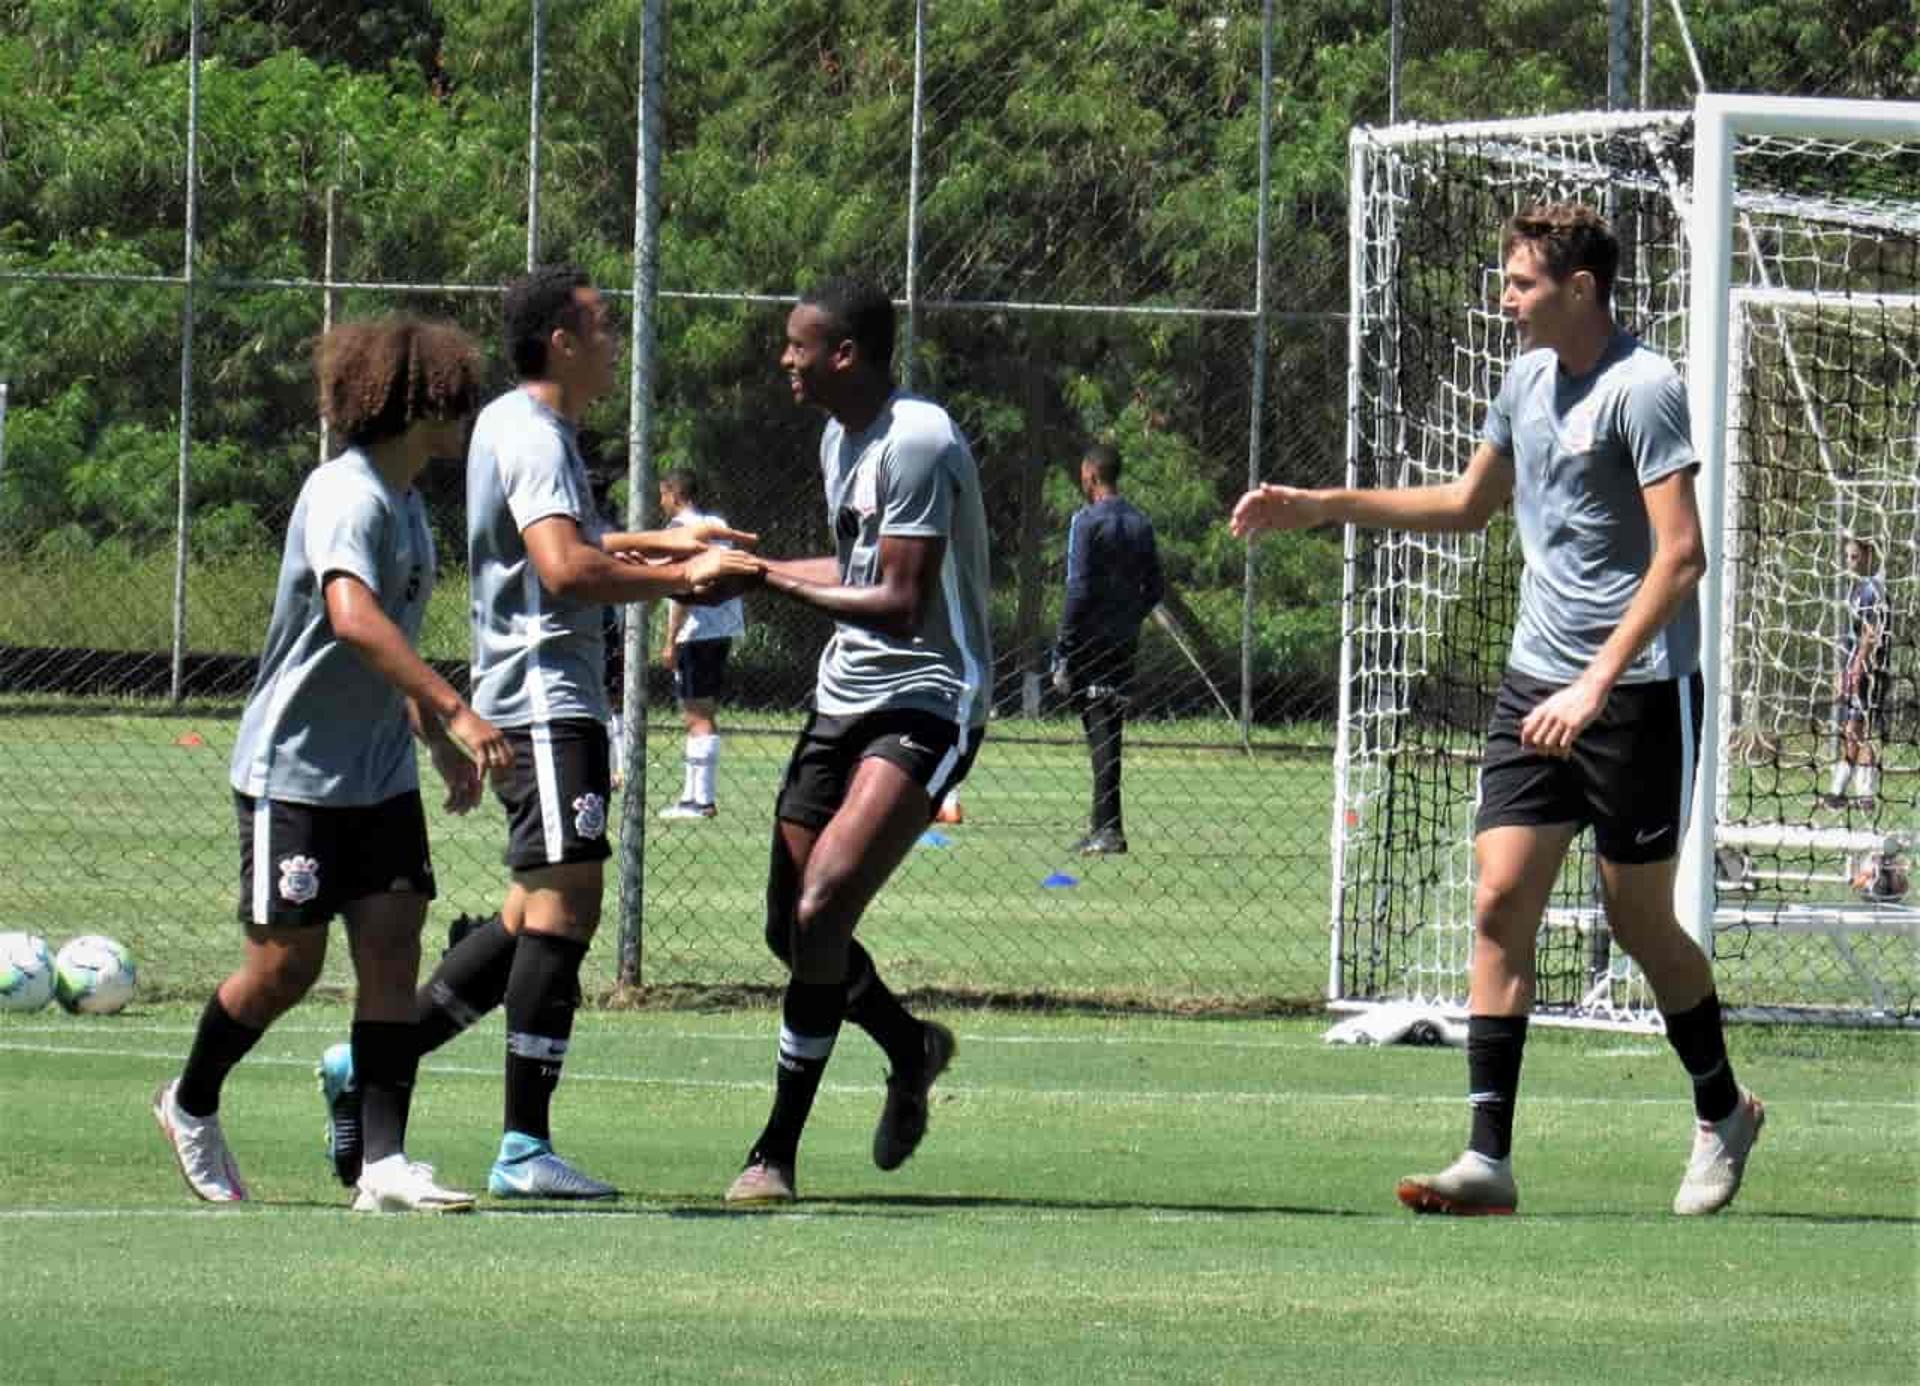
(324, 779)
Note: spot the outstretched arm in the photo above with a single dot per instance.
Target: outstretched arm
(1466, 503)
(895, 606)
(676, 541)
(570, 567)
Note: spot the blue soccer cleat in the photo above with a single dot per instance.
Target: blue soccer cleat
(342, 1096)
(529, 1168)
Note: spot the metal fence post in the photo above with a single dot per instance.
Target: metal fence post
(913, 192)
(635, 636)
(1257, 410)
(539, 62)
(1396, 26)
(180, 523)
(329, 303)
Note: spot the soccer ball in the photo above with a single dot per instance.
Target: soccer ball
(93, 975)
(26, 972)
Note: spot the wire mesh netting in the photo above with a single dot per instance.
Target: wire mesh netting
(1818, 552)
(1066, 198)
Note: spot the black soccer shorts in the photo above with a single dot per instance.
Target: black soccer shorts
(301, 864)
(700, 670)
(557, 794)
(936, 751)
(1630, 775)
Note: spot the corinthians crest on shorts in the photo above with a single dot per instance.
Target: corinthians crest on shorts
(590, 815)
(299, 879)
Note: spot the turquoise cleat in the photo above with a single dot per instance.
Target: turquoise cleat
(342, 1097)
(529, 1168)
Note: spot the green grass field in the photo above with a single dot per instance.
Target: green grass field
(1100, 1199)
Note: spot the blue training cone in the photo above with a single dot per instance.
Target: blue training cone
(930, 838)
(1059, 880)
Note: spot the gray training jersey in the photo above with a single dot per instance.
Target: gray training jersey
(536, 658)
(908, 473)
(1583, 449)
(321, 727)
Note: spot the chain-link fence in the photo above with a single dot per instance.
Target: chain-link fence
(1106, 219)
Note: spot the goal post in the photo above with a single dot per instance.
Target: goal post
(1771, 248)
(1723, 125)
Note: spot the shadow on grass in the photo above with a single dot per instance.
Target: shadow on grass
(928, 1205)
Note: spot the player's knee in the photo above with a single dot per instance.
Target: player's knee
(1500, 908)
(280, 984)
(815, 911)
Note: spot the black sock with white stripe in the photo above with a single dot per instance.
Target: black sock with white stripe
(542, 994)
(809, 1024)
(1700, 1040)
(470, 981)
(1494, 1047)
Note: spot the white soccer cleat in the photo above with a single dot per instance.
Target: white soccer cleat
(686, 810)
(399, 1185)
(762, 1182)
(1719, 1162)
(1472, 1186)
(200, 1147)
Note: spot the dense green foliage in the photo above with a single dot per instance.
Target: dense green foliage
(1087, 151)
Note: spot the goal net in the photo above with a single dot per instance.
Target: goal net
(1772, 249)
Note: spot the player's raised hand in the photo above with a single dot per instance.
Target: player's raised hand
(681, 542)
(1271, 506)
(717, 574)
(715, 532)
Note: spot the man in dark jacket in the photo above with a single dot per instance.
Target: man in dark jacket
(1113, 584)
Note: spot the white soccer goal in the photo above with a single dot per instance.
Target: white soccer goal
(1771, 247)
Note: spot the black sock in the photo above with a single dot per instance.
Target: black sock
(878, 1011)
(809, 1024)
(1701, 1042)
(470, 981)
(1494, 1047)
(219, 1043)
(542, 993)
(385, 1058)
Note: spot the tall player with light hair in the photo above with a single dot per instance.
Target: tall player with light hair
(1595, 721)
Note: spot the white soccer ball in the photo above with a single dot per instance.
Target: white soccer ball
(93, 975)
(26, 972)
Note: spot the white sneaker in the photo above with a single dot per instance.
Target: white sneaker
(399, 1185)
(1472, 1186)
(1720, 1150)
(687, 809)
(200, 1148)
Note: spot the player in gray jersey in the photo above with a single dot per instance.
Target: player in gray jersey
(899, 709)
(323, 771)
(1594, 722)
(542, 565)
